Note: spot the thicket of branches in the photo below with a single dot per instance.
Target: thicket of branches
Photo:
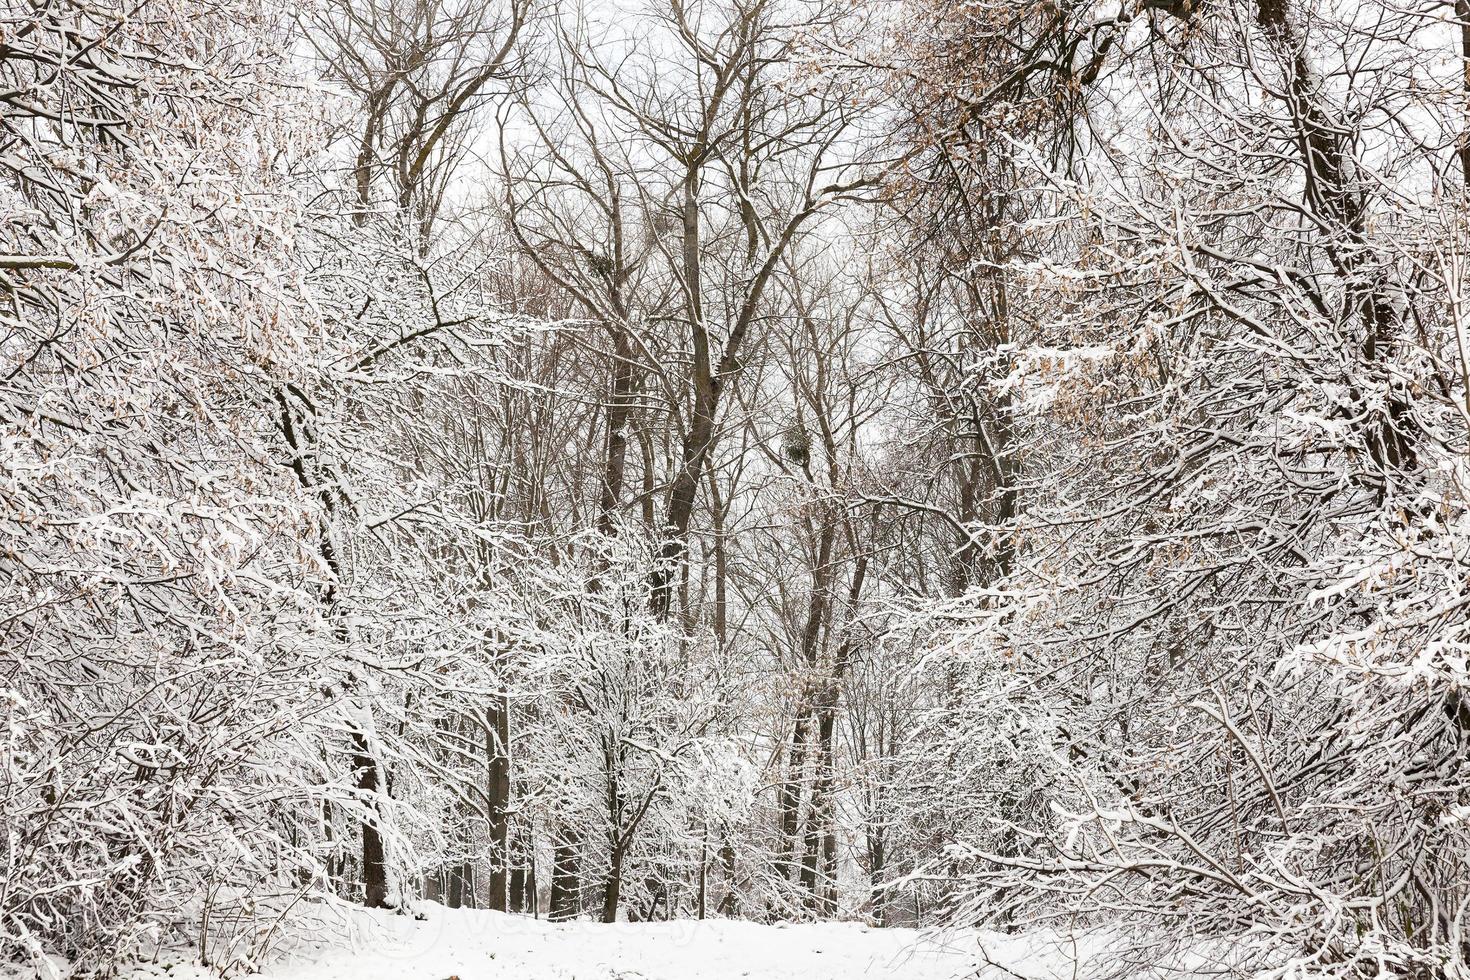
(975, 463)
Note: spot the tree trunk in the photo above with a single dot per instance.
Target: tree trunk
(566, 887)
(819, 819)
(727, 863)
(877, 866)
(682, 493)
(299, 434)
(821, 840)
(1462, 14)
(616, 445)
(810, 853)
(705, 388)
(717, 522)
(789, 803)
(703, 873)
(455, 897)
(497, 721)
(533, 898)
(650, 485)
(517, 902)
(613, 887)
(374, 867)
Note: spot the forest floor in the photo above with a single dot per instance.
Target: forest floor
(470, 944)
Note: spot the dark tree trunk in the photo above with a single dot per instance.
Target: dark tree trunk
(613, 887)
(727, 863)
(829, 870)
(497, 722)
(819, 820)
(517, 901)
(1462, 14)
(877, 866)
(703, 873)
(566, 885)
(811, 848)
(298, 430)
(717, 515)
(682, 494)
(710, 368)
(374, 868)
(616, 445)
(821, 841)
(455, 897)
(789, 802)
(650, 483)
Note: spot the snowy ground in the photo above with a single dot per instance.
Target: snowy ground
(477, 945)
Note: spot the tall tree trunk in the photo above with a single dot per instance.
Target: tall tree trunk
(820, 817)
(1462, 14)
(521, 879)
(454, 897)
(566, 884)
(877, 868)
(374, 867)
(705, 388)
(821, 841)
(828, 905)
(299, 432)
(703, 872)
(650, 485)
(810, 851)
(683, 491)
(523, 860)
(790, 801)
(619, 407)
(613, 887)
(517, 902)
(721, 553)
(727, 865)
(497, 724)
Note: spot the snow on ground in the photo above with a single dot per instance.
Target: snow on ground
(477, 945)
